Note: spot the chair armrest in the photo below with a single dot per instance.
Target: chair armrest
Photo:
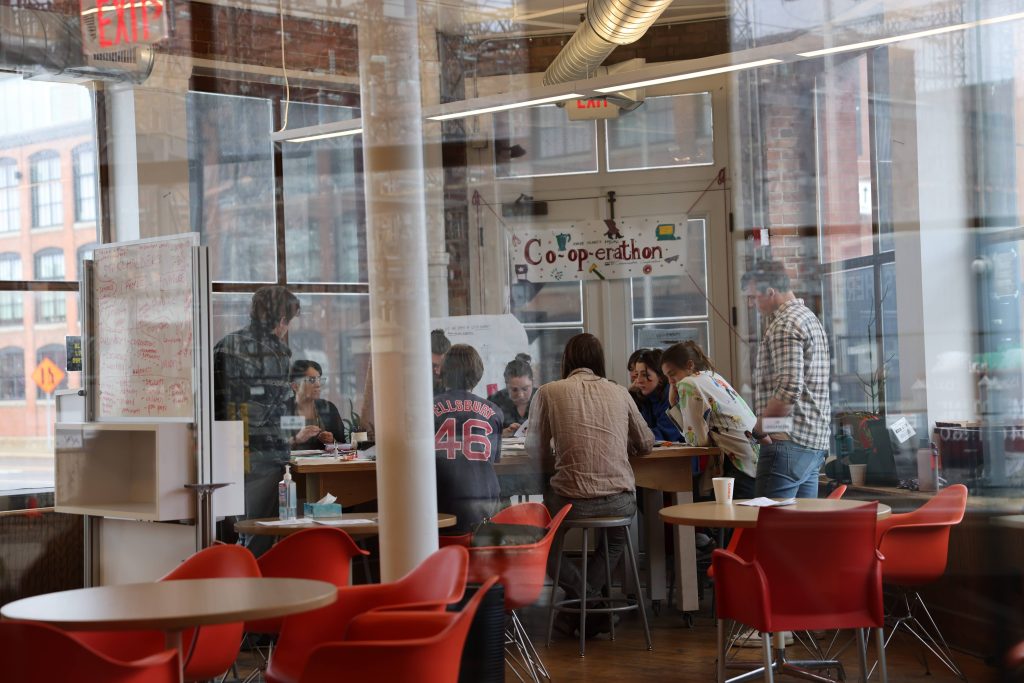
(423, 607)
(396, 625)
(742, 590)
(911, 525)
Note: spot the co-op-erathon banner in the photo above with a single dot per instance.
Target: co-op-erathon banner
(600, 249)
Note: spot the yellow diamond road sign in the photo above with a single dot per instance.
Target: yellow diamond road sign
(48, 376)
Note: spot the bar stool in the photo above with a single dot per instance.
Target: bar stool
(580, 606)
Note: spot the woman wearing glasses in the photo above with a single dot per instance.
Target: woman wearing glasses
(323, 421)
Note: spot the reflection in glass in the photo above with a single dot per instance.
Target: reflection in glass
(541, 141)
(664, 132)
(547, 302)
(231, 178)
(676, 296)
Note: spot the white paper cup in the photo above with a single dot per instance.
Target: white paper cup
(858, 473)
(723, 489)
(358, 437)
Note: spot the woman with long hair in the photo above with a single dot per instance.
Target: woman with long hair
(709, 412)
(650, 390)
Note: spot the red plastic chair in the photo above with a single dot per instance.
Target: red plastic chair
(916, 547)
(322, 554)
(440, 580)
(38, 653)
(397, 646)
(212, 650)
(792, 585)
(521, 569)
(742, 544)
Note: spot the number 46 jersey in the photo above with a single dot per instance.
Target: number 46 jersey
(467, 441)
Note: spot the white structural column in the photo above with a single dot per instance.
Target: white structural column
(399, 307)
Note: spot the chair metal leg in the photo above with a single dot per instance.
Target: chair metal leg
(520, 654)
(583, 595)
(608, 584)
(880, 644)
(720, 649)
(560, 542)
(862, 655)
(639, 599)
(766, 655)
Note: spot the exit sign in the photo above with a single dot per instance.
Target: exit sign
(590, 109)
(109, 25)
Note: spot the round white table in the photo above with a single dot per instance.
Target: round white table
(732, 515)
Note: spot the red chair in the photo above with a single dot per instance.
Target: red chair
(321, 554)
(742, 544)
(397, 647)
(916, 546)
(521, 569)
(38, 653)
(440, 580)
(210, 650)
(792, 585)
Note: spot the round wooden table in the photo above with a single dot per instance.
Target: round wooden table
(254, 528)
(735, 516)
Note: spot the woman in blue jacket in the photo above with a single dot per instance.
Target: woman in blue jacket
(651, 395)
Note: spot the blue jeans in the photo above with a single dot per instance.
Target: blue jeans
(788, 470)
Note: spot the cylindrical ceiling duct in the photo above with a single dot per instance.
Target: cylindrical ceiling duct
(608, 24)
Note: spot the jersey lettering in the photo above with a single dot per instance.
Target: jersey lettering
(473, 446)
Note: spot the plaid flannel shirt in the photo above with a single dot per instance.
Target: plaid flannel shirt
(793, 367)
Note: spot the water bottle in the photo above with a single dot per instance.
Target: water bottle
(286, 495)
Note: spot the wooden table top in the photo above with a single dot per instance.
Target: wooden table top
(1009, 521)
(252, 526)
(172, 605)
(510, 458)
(714, 514)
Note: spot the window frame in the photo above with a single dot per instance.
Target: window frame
(17, 379)
(10, 213)
(53, 185)
(77, 181)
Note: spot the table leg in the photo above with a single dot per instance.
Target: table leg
(686, 560)
(655, 541)
(172, 641)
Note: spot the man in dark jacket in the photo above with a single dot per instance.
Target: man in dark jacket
(251, 367)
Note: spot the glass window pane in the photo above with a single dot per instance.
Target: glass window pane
(325, 230)
(663, 132)
(852, 326)
(678, 296)
(541, 141)
(546, 347)
(232, 184)
(10, 201)
(547, 302)
(664, 335)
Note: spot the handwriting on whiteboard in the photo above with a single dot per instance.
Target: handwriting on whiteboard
(143, 330)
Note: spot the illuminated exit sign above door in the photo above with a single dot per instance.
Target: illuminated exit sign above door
(589, 109)
(110, 25)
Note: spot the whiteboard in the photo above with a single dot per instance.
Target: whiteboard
(143, 328)
(497, 338)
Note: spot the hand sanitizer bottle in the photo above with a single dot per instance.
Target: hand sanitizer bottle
(286, 495)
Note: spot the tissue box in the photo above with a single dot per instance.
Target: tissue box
(316, 510)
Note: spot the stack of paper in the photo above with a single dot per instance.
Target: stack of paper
(767, 502)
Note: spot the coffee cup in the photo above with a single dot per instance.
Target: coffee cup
(358, 437)
(858, 474)
(723, 489)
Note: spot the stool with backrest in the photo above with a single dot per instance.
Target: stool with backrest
(581, 605)
(916, 546)
(39, 653)
(396, 646)
(521, 569)
(439, 581)
(791, 585)
(210, 650)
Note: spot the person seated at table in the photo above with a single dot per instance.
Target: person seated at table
(651, 395)
(589, 427)
(631, 367)
(467, 441)
(705, 405)
(323, 421)
(514, 399)
(439, 345)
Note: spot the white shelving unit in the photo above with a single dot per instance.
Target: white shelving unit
(125, 470)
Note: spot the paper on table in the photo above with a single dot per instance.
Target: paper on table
(521, 432)
(285, 522)
(308, 452)
(767, 502)
(345, 522)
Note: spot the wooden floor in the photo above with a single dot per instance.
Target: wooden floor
(683, 654)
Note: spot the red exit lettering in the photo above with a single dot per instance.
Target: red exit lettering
(591, 104)
(126, 22)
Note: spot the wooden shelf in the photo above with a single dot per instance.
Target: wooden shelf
(125, 470)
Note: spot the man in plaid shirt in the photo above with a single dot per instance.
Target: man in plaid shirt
(791, 381)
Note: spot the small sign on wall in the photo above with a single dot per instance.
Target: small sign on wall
(109, 25)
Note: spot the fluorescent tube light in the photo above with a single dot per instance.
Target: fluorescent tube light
(504, 107)
(912, 36)
(688, 76)
(324, 136)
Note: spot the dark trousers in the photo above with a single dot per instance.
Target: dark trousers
(616, 505)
